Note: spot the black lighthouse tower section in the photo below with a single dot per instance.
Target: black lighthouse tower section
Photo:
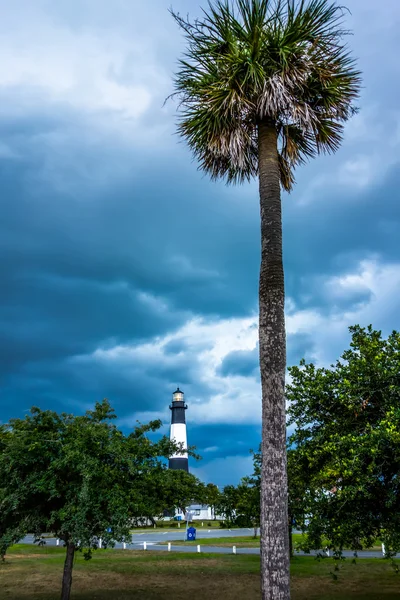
(178, 430)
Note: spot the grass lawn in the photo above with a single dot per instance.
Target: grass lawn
(223, 542)
(35, 573)
(239, 542)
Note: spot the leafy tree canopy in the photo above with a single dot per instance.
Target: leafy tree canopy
(240, 505)
(212, 497)
(79, 477)
(345, 450)
(174, 489)
(251, 60)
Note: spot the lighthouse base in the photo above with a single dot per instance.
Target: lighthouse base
(181, 464)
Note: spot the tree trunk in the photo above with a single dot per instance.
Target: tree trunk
(67, 575)
(153, 521)
(275, 583)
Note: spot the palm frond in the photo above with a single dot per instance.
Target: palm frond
(249, 60)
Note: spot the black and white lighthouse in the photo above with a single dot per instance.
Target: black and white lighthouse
(178, 431)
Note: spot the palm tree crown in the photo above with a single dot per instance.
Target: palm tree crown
(281, 61)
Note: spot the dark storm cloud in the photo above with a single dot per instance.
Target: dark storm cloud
(239, 362)
(176, 346)
(82, 269)
(106, 241)
(215, 441)
(334, 234)
(298, 346)
(74, 385)
(224, 450)
(136, 257)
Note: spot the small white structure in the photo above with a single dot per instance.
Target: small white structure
(201, 512)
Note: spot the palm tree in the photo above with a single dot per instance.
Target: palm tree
(263, 86)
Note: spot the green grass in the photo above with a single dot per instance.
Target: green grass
(35, 574)
(298, 537)
(223, 542)
(240, 541)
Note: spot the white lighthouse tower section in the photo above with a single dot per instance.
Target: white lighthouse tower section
(178, 435)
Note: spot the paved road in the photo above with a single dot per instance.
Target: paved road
(152, 539)
(180, 534)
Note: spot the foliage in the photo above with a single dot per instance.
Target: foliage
(346, 445)
(248, 504)
(9, 535)
(249, 493)
(175, 489)
(212, 497)
(240, 505)
(251, 60)
(11, 529)
(227, 504)
(79, 477)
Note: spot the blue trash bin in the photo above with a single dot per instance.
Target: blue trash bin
(191, 534)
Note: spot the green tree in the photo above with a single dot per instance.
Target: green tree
(11, 529)
(249, 490)
(179, 489)
(346, 444)
(78, 477)
(240, 505)
(263, 86)
(296, 482)
(212, 497)
(227, 504)
(248, 504)
(298, 477)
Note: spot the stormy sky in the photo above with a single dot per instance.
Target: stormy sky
(125, 272)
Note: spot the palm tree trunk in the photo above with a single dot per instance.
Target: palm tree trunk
(67, 575)
(275, 582)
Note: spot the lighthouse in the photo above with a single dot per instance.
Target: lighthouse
(178, 431)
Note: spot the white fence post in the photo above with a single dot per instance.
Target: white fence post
(57, 542)
(234, 549)
(169, 546)
(144, 545)
(383, 550)
(198, 548)
(124, 545)
(100, 542)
